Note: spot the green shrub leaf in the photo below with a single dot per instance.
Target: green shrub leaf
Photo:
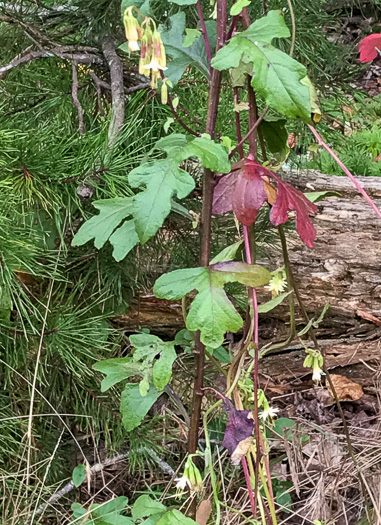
(211, 311)
(134, 407)
(277, 76)
(79, 475)
(145, 506)
(162, 368)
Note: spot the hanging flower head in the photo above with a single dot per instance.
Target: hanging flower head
(132, 29)
(152, 50)
(191, 478)
(314, 360)
(245, 189)
(152, 53)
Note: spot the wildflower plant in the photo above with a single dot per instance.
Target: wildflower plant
(236, 178)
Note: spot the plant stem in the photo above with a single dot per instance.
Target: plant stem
(287, 267)
(252, 117)
(252, 497)
(208, 451)
(248, 134)
(345, 169)
(204, 32)
(293, 34)
(206, 219)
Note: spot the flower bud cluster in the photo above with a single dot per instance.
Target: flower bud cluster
(152, 50)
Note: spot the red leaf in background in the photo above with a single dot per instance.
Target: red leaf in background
(249, 193)
(223, 193)
(289, 198)
(369, 47)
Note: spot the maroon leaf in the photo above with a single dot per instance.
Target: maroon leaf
(289, 198)
(369, 47)
(247, 187)
(240, 428)
(249, 193)
(223, 193)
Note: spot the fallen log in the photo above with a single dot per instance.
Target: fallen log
(342, 269)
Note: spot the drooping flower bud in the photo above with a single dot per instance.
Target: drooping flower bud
(314, 360)
(132, 29)
(164, 92)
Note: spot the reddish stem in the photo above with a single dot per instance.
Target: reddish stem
(345, 169)
(251, 130)
(249, 487)
(204, 32)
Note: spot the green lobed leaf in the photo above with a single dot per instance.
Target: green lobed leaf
(190, 36)
(134, 407)
(317, 196)
(100, 227)
(123, 240)
(182, 57)
(277, 76)
(117, 370)
(174, 285)
(145, 506)
(79, 475)
(162, 368)
(238, 6)
(277, 80)
(211, 154)
(162, 180)
(235, 271)
(265, 29)
(213, 314)
(174, 517)
(211, 311)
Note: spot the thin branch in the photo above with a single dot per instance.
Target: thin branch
(98, 467)
(293, 24)
(117, 89)
(82, 58)
(76, 102)
(253, 128)
(204, 33)
(132, 89)
(345, 169)
(180, 120)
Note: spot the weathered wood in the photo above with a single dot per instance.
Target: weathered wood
(344, 266)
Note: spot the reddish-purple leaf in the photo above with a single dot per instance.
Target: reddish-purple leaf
(240, 427)
(289, 198)
(249, 193)
(244, 191)
(223, 193)
(369, 47)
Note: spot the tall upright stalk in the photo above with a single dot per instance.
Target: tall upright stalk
(206, 217)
